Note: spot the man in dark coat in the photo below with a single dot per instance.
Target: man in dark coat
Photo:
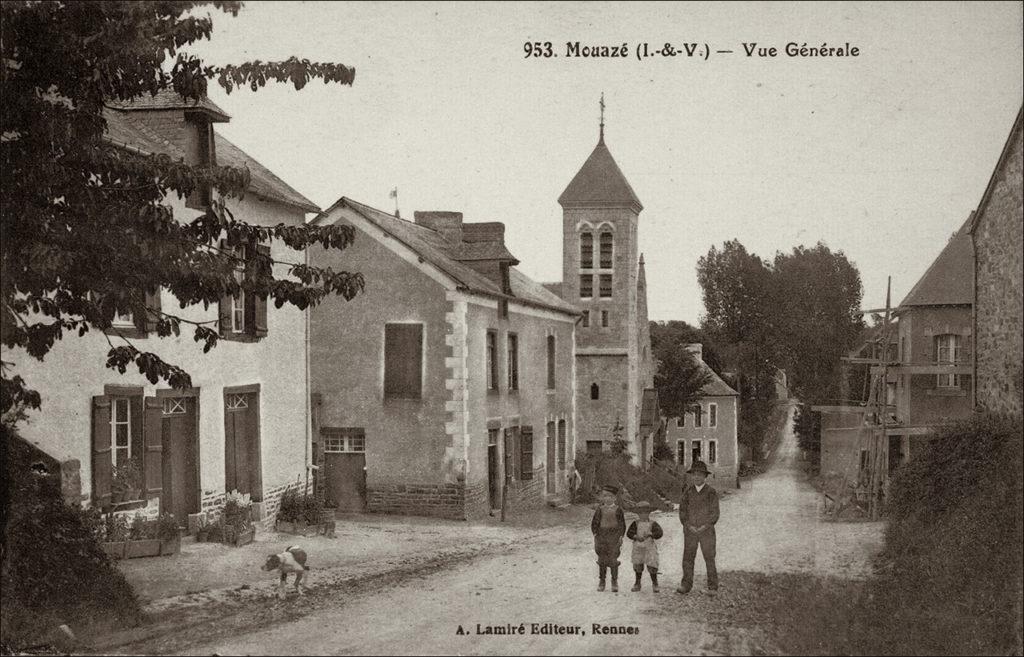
(698, 513)
(608, 526)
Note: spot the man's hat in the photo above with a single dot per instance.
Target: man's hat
(611, 489)
(699, 466)
(642, 505)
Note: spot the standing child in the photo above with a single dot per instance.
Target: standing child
(644, 532)
(608, 526)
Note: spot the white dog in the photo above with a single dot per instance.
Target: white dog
(292, 560)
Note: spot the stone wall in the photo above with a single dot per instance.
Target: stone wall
(998, 240)
(436, 500)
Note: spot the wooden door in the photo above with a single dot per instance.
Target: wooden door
(345, 468)
(550, 456)
(179, 431)
(493, 477)
(241, 444)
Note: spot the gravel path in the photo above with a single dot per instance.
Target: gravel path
(770, 526)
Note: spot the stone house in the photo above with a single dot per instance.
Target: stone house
(447, 387)
(996, 234)
(603, 274)
(244, 424)
(709, 432)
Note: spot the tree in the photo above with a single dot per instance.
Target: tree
(679, 380)
(87, 230)
(819, 296)
(673, 332)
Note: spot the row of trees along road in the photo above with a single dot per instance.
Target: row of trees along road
(87, 230)
(799, 312)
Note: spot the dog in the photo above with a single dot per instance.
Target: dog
(292, 560)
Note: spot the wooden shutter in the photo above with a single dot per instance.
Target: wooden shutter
(403, 348)
(153, 314)
(526, 453)
(138, 445)
(224, 305)
(153, 462)
(259, 302)
(102, 462)
(510, 454)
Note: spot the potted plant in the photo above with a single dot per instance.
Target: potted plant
(203, 532)
(237, 519)
(290, 513)
(115, 535)
(169, 533)
(142, 540)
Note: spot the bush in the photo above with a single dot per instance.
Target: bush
(53, 570)
(953, 540)
(312, 509)
(291, 509)
(167, 527)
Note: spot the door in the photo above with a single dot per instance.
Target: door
(242, 470)
(550, 456)
(179, 429)
(345, 468)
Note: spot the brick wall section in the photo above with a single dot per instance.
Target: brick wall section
(213, 502)
(525, 495)
(435, 500)
(476, 501)
(998, 238)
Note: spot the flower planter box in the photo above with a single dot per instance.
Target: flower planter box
(238, 539)
(170, 546)
(144, 548)
(114, 549)
(299, 527)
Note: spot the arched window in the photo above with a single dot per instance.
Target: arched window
(586, 250)
(595, 391)
(606, 250)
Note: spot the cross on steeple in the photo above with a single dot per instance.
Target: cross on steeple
(602, 116)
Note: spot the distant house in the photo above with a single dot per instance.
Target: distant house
(998, 320)
(709, 432)
(450, 376)
(244, 424)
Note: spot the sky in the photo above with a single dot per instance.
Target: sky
(881, 156)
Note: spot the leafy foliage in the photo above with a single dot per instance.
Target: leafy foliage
(88, 230)
(807, 426)
(679, 380)
(291, 509)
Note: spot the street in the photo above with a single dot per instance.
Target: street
(768, 527)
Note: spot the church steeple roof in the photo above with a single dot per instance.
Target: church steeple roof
(600, 183)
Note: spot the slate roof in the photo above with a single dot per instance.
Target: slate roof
(169, 99)
(949, 280)
(600, 182)
(716, 387)
(138, 131)
(435, 249)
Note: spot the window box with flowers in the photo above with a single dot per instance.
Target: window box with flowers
(141, 538)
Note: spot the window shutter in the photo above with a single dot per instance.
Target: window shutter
(526, 453)
(224, 306)
(153, 304)
(153, 462)
(929, 348)
(403, 349)
(102, 463)
(260, 301)
(138, 445)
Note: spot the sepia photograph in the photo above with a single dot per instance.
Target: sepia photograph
(576, 328)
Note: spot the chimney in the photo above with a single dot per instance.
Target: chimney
(448, 224)
(697, 349)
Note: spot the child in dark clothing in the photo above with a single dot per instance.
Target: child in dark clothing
(608, 526)
(644, 532)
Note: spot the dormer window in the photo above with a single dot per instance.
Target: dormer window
(586, 251)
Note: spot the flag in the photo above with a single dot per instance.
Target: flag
(394, 193)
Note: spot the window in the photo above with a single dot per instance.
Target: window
(595, 391)
(344, 441)
(124, 320)
(604, 319)
(695, 451)
(681, 421)
(403, 361)
(243, 315)
(595, 446)
(492, 437)
(562, 447)
(513, 361)
(606, 250)
(120, 430)
(698, 420)
(712, 415)
(586, 319)
(606, 286)
(492, 360)
(238, 300)
(586, 250)
(526, 453)
(948, 350)
(712, 451)
(586, 286)
(551, 362)
(173, 406)
(681, 451)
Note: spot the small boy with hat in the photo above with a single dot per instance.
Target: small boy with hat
(698, 513)
(608, 526)
(644, 532)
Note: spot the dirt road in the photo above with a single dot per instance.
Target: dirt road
(769, 527)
